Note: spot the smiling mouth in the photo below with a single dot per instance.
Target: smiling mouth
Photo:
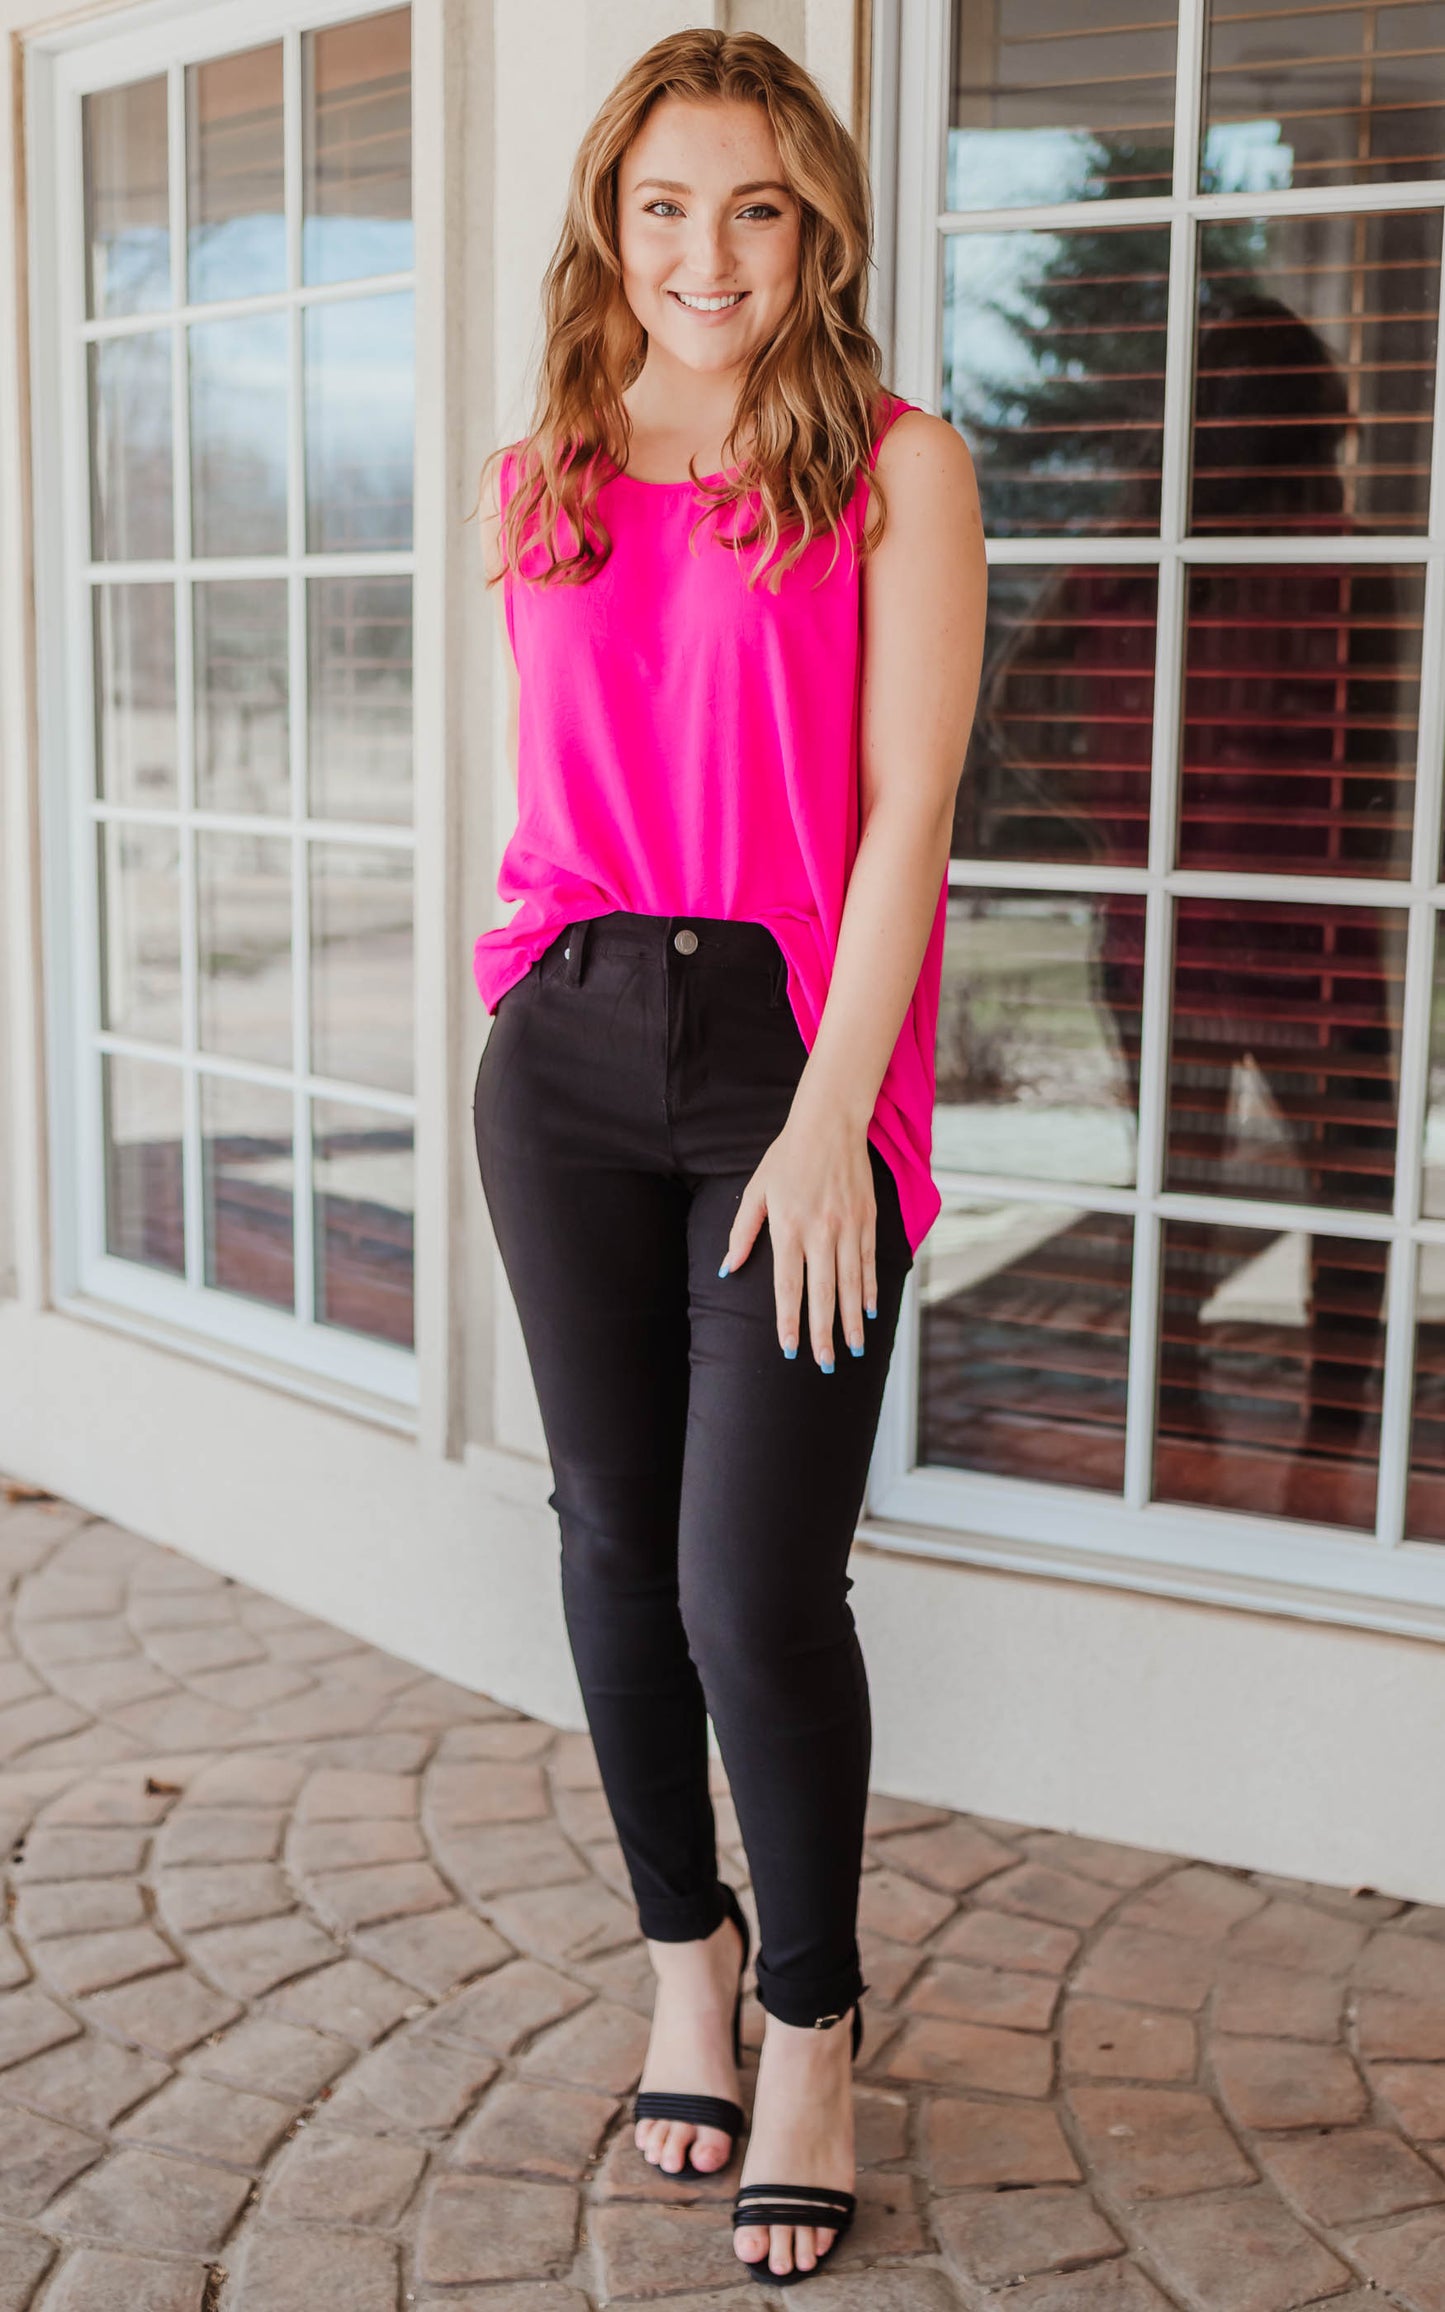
(722, 304)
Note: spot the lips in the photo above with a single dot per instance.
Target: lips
(708, 313)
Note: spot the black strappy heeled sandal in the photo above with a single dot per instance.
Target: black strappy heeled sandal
(705, 2110)
(826, 2211)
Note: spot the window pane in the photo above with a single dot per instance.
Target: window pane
(135, 694)
(140, 931)
(361, 986)
(1023, 1346)
(249, 1188)
(238, 435)
(1432, 1186)
(1301, 700)
(235, 163)
(243, 912)
(1038, 1036)
(357, 83)
(365, 1207)
(1286, 1039)
(359, 424)
(360, 698)
(127, 199)
(1049, 103)
(130, 448)
(1053, 366)
(1323, 95)
(243, 754)
(1058, 764)
(144, 1220)
(1425, 1498)
(1315, 373)
(1272, 1351)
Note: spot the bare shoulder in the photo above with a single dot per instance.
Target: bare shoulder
(922, 457)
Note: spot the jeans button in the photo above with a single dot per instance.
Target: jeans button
(684, 941)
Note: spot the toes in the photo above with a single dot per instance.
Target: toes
(780, 2251)
(751, 2244)
(711, 2150)
(679, 2136)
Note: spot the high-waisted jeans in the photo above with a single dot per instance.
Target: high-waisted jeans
(706, 1486)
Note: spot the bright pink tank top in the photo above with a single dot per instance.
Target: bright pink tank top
(687, 746)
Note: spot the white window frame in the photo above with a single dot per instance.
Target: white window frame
(1383, 1579)
(318, 1360)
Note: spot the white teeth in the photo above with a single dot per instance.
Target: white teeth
(707, 304)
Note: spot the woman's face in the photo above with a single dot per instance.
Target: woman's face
(704, 214)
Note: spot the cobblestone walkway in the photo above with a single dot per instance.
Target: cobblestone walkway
(318, 1994)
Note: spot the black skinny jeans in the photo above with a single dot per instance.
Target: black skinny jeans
(706, 1486)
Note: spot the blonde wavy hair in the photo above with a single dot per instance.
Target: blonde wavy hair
(810, 399)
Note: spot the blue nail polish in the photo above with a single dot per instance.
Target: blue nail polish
(856, 1347)
(723, 1270)
(871, 1312)
(790, 1352)
(829, 1366)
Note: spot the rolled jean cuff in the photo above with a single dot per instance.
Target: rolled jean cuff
(809, 2003)
(682, 1918)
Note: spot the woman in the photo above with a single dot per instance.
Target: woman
(706, 1097)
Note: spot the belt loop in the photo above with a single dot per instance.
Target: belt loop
(574, 952)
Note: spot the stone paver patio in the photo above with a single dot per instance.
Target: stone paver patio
(318, 1993)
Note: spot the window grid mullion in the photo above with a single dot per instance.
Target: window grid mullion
(192, 1183)
(303, 1207)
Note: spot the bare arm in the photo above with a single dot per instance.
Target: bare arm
(924, 595)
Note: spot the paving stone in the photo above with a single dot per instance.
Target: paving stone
(883, 2288)
(650, 2252)
(273, 2057)
(13, 1970)
(1408, 1964)
(572, 1763)
(30, 2021)
(1347, 2178)
(286, 2271)
(535, 2130)
(1278, 2083)
(584, 1815)
(436, 1951)
(24, 2258)
(1406, 2027)
(210, 2120)
(1290, 1934)
(353, 1999)
(603, 2048)
(880, 2125)
(1113, 1865)
(335, 1795)
(890, 1904)
(625, 2175)
(1104, 2039)
(146, 2200)
(250, 1686)
(481, 1790)
(1268, 2002)
(182, 1722)
(996, 1939)
(508, 2006)
(1200, 1904)
(484, 2228)
(1153, 1970)
(1239, 2254)
(40, 1719)
(971, 2055)
(222, 1894)
(250, 1959)
(78, 1906)
(165, 2014)
(487, 1863)
(500, 1738)
(969, 2142)
(76, 1964)
(418, 2084)
(888, 1968)
(254, 1779)
(360, 1898)
(100, 1686)
(65, 1853)
(37, 2157)
(221, 1834)
(567, 1922)
(102, 2280)
(1114, 2287)
(1153, 2143)
(997, 2237)
(1061, 1898)
(1415, 2093)
(87, 2081)
(1407, 2258)
(326, 2178)
(983, 1995)
(887, 2222)
(953, 1856)
(352, 1845)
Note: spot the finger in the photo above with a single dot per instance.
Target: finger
(747, 1220)
(850, 1288)
(822, 1296)
(787, 1286)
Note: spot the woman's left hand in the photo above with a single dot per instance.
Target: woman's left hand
(814, 1187)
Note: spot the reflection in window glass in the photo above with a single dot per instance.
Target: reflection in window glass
(134, 630)
(361, 964)
(1315, 373)
(1425, 1495)
(127, 199)
(359, 424)
(1052, 100)
(1285, 1047)
(238, 435)
(1053, 368)
(243, 929)
(248, 1188)
(359, 696)
(1023, 1342)
(140, 931)
(242, 696)
(1059, 760)
(144, 1220)
(235, 168)
(1301, 94)
(1269, 1392)
(365, 1212)
(1038, 1036)
(1432, 1184)
(1301, 703)
(130, 448)
(357, 128)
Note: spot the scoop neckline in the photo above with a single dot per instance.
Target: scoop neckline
(640, 481)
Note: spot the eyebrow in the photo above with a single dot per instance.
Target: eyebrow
(669, 185)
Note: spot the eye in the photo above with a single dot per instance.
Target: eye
(761, 209)
(659, 203)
